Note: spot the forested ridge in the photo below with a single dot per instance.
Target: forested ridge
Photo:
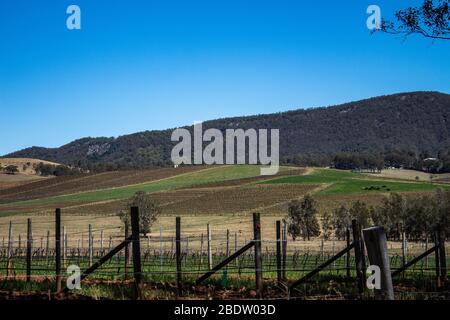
(415, 124)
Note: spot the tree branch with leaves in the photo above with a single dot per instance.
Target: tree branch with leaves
(431, 20)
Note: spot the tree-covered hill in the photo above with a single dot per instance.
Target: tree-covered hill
(417, 122)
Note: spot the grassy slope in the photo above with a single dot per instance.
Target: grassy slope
(183, 180)
(345, 182)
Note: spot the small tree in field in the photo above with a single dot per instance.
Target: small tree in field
(148, 211)
(11, 169)
(302, 219)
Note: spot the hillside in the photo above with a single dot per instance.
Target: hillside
(25, 166)
(416, 121)
(25, 174)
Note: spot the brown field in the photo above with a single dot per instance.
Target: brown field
(9, 181)
(88, 182)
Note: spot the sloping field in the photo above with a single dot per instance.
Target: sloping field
(403, 174)
(9, 181)
(89, 182)
(345, 182)
(183, 180)
(24, 165)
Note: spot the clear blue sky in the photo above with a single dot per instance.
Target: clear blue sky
(142, 65)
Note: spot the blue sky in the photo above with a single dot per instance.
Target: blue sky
(143, 65)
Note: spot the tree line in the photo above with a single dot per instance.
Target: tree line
(374, 162)
(413, 217)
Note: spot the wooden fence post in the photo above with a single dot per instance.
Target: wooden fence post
(347, 260)
(278, 235)
(284, 249)
(258, 257)
(178, 254)
(377, 251)
(136, 252)
(127, 251)
(442, 256)
(209, 247)
(29, 248)
(58, 249)
(358, 256)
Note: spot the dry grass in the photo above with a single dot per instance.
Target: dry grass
(403, 174)
(24, 165)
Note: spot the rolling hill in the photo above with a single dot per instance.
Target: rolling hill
(415, 121)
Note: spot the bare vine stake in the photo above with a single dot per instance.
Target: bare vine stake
(321, 249)
(228, 243)
(63, 246)
(10, 248)
(209, 247)
(78, 250)
(178, 254)
(228, 246)
(90, 249)
(278, 235)
(333, 252)
(236, 246)
(66, 246)
(47, 245)
(284, 249)
(101, 242)
(29, 248)
(187, 250)
(160, 248)
(201, 252)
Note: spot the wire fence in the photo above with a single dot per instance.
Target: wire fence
(158, 255)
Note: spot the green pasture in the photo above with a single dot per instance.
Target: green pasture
(346, 182)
